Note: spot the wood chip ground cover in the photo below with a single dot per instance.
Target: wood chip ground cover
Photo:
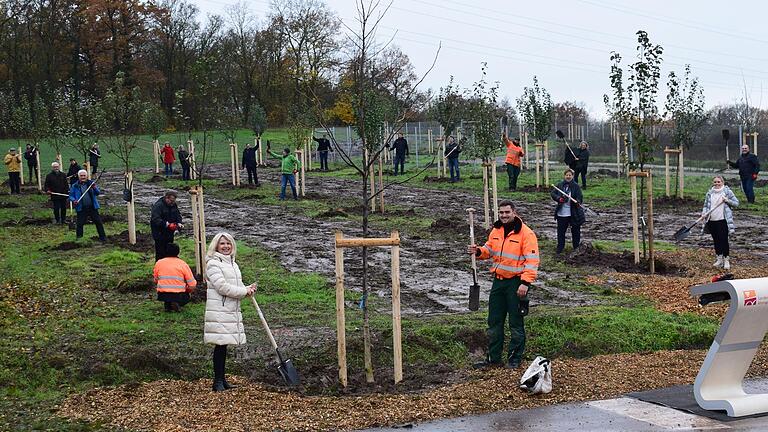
(191, 406)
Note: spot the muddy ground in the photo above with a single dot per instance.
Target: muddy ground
(434, 271)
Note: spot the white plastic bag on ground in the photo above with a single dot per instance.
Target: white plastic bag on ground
(538, 377)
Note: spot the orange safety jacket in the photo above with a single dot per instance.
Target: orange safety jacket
(517, 254)
(173, 275)
(514, 153)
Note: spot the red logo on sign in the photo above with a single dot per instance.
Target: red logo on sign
(750, 298)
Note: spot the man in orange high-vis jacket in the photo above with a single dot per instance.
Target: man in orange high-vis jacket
(515, 253)
(514, 153)
(173, 279)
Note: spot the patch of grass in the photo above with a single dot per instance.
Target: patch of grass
(596, 330)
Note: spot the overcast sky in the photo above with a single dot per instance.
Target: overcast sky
(567, 44)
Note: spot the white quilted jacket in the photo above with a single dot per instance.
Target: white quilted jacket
(223, 319)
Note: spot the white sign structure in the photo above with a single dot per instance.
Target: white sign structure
(719, 384)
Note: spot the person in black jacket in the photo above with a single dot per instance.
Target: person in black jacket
(451, 153)
(249, 163)
(165, 221)
(581, 162)
(31, 156)
(400, 147)
(323, 147)
(748, 166)
(57, 187)
(74, 167)
(568, 213)
(184, 161)
(93, 158)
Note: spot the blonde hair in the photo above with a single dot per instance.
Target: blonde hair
(215, 242)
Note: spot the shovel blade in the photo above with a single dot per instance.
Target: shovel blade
(474, 297)
(289, 373)
(682, 233)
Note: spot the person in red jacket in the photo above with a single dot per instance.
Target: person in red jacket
(514, 249)
(173, 280)
(168, 158)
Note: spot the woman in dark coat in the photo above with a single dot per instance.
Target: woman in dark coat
(567, 212)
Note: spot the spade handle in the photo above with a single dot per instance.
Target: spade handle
(471, 213)
(264, 323)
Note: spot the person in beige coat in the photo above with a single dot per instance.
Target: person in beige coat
(223, 319)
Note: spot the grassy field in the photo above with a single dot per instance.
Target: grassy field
(85, 316)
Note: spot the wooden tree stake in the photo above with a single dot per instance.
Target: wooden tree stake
(156, 150)
(131, 210)
(650, 223)
(487, 220)
(635, 231)
(397, 341)
(21, 166)
(546, 162)
(494, 190)
(39, 180)
(381, 183)
(192, 160)
(341, 336)
(680, 174)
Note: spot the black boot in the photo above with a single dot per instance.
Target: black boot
(228, 386)
(218, 385)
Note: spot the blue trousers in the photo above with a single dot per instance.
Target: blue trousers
(748, 184)
(453, 165)
(168, 169)
(284, 180)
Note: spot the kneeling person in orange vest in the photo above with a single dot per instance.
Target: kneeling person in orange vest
(173, 279)
(514, 249)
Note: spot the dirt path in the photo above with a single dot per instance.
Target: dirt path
(434, 274)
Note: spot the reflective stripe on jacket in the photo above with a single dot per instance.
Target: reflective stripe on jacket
(173, 275)
(514, 152)
(515, 255)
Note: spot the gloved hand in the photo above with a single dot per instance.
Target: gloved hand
(179, 226)
(561, 200)
(172, 226)
(754, 176)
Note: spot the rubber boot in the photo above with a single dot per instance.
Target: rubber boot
(719, 262)
(726, 263)
(227, 385)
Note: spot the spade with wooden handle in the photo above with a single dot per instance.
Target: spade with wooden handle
(474, 289)
(285, 366)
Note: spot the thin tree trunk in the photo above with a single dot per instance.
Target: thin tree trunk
(366, 325)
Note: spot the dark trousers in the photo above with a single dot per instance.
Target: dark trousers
(719, 231)
(168, 169)
(185, 172)
(503, 303)
(323, 160)
(562, 226)
(513, 171)
(14, 181)
(82, 217)
(59, 210)
(160, 248)
(284, 180)
(219, 362)
(32, 172)
(748, 185)
(252, 176)
(581, 170)
(94, 168)
(399, 160)
(453, 165)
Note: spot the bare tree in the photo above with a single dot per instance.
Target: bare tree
(371, 106)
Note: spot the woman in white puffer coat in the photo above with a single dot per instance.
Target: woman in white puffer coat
(223, 319)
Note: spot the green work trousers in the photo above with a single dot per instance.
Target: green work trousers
(504, 301)
(513, 171)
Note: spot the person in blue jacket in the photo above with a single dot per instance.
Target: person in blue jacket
(83, 196)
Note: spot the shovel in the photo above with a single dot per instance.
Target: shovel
(286, 369)
(683, 232)
(561, 135)
(587, 209)
(474, 289)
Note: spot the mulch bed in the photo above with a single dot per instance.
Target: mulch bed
(173, 405)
